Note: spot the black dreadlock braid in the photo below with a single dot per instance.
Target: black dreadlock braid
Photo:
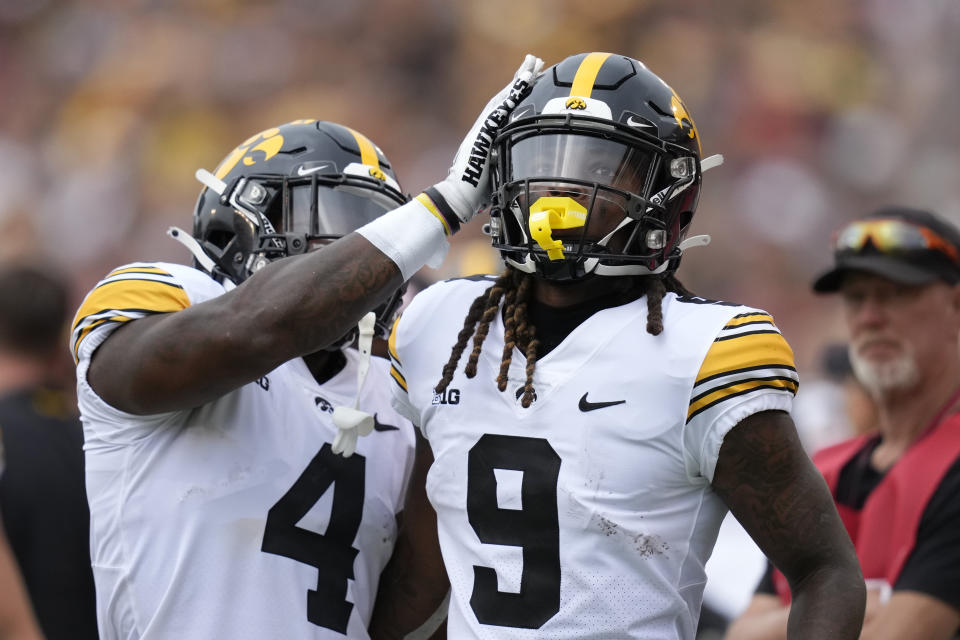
(478, 309)
(513, 287)
(525, 337)
(658, 287)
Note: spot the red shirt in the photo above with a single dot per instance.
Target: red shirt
(884, 530)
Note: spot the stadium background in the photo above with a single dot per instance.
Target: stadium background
(822, 109)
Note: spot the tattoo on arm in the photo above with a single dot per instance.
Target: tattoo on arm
(776, 493)
(291, 308)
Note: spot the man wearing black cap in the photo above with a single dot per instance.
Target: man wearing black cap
(898, 488)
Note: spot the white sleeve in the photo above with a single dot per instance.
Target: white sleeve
(128, 293)
(748, 368)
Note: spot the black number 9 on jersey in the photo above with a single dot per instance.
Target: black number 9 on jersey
(535, 528)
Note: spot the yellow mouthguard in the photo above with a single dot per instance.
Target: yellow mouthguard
(549, 213)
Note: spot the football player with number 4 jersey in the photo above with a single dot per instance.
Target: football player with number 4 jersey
(575, 471)
(234, 518)
(221, 403)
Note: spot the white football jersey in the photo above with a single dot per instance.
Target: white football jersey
(234, 520)
(590, 514)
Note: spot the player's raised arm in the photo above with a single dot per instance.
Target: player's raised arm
(167, 351)
(770, 485)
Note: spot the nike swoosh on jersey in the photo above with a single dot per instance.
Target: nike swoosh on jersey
(586, 405)
(379, 426)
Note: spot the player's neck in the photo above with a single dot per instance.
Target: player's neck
(323, 365)
(575, 293)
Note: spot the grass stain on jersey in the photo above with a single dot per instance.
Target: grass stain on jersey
(646, 545)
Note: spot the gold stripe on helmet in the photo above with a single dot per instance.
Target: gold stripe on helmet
(587, 74)
(368, 153)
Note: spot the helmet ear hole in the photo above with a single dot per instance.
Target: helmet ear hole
(219, 238)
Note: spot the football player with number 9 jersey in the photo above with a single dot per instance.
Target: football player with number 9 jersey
(575, 471)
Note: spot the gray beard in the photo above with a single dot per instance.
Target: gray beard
(879, 378)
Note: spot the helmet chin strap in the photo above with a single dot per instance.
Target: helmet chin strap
(351, 421)
(711, 162)
(694, 241)
(198, 253)
(210, 181)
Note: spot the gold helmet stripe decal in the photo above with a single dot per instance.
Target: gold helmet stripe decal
(587, 74)
(368, 153)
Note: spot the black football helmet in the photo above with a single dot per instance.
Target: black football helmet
(597, 172)
(287, 190)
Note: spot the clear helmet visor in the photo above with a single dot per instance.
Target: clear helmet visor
(580, 157)
(338, 211)
(598, 173)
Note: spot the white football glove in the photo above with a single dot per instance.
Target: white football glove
(409, 234)
(467, 185)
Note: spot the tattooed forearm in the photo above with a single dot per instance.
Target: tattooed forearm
(776, 493)
(315, 299)
(291, 308)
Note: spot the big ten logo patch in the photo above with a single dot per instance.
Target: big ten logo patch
(447, 396)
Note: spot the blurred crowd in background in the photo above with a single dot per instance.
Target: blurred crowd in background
(823, 110)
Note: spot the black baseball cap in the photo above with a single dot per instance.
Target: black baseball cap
(924, 250)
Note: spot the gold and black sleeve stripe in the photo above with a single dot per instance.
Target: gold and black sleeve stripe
(126, 294)
(748, 355)
(713, 397)
(148, 295)
(395, 365)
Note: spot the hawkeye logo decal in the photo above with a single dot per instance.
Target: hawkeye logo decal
(576, 103)
(258, 148)
(680, 115)
(519, 394)
(323, 404)
(378, 174)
